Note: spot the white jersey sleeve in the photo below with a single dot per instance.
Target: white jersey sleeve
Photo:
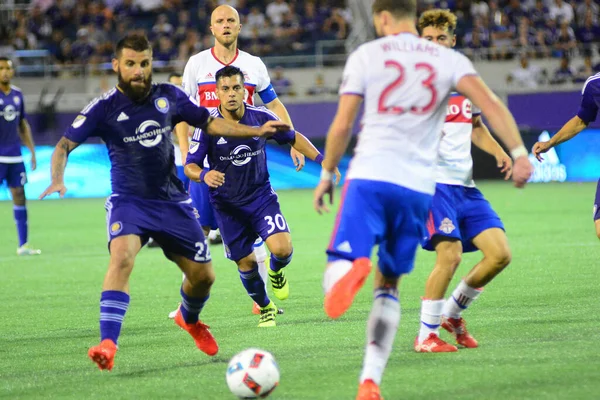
(353, 79)
(189, 82)
(262, 79)
(462, 67)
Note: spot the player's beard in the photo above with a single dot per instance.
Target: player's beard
(135, 93)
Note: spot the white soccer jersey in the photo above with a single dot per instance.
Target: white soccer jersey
(455, 165)
(406, 82)
(200, 70)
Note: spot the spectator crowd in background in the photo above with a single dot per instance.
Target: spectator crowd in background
(83, 32)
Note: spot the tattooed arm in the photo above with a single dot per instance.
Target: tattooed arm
(59, 163)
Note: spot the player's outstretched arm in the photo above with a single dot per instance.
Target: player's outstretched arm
(27, 140)
(306, 148)
(59, 163)
(482, 138)
(338, 138)
(279, 109)
(222, 127)
(181, 132)
(212, 178)
(501, 121)
(567, 132)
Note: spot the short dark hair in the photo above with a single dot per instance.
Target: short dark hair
(228, 72)
(398, 8)
(134, 42)
(4, 58)
(174, 75)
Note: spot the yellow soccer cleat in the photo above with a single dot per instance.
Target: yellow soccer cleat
(267, 316)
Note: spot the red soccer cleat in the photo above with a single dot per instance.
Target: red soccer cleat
(339, 299)
(458, 328)
(104, 354)
(433, 344)
(255, 309)
(368, 390)
(205, 341)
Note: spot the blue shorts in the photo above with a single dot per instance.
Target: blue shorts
(597, 203)
(241, 226)
(200, 198)
(380, 213)
(461, 213)
(183, 178)
(174, 225)
(14, 174)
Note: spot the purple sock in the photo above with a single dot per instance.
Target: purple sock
(278, 263)
(20, 213)
(255, 286)
(191, 307)
(113, 306)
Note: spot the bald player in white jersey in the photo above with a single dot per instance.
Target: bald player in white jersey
(460, 219)
(199, 81)
(405, 82)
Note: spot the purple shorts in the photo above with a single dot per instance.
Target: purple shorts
(174, 225)
(14, 174)
(241, 226)
(597, 203)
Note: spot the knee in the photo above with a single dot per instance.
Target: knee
(122, 260)
(598, 229)
(246, 264)
(501, 258)
(450, 258)
(202, 276)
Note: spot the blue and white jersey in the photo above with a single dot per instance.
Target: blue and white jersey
(137, 136)
(12, 112)
(242, 160)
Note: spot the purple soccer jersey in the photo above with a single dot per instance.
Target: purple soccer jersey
(148, 199)
(246, 206)
(12, 112)
(588, 111)
(137, 136)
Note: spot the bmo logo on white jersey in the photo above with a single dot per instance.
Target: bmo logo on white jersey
(459, 109)
(148, 134)
(210, 96)
(9, 113)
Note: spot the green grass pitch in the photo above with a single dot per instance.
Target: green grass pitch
(537, 324)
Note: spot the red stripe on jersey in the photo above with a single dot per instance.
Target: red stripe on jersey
(208, 95)
(459, 109)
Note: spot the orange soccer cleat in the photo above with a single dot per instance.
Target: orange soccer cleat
(368, 390)
(433, 344)
(205, 341)
(339, 299)
(104, 354)
(458, 328)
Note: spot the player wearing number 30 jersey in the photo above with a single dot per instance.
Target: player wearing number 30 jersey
(405, 82)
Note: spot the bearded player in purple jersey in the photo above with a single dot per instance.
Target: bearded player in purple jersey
(134, 119)
(588, 111)
(14, 130)
(246, 206)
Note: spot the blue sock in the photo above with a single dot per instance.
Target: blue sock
(113, 306)
(255, 287)
(191, 307)
(20, 213)
(278, 263)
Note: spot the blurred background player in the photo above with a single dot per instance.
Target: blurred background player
(588, 111)
(245, 204)
(14, 130)
(147, 197)
(199, 80)
(406, 82)
(460, 219)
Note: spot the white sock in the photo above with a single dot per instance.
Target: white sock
(334, 272)
(382, 327)
(462, 296)
(260, 253)
(431, 318)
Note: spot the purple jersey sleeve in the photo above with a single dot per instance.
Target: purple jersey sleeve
(198, 150)
(22, 115)
(284, 137)
(189, 111)
(589, 101)
(86, 124)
